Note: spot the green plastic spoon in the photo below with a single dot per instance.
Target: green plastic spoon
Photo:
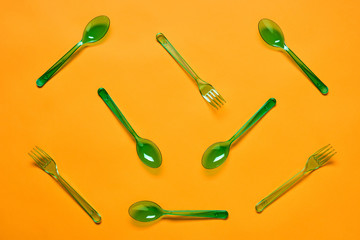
(147, 151)
(217, 153)
(147, 211)
(272, 35)
(94, 31)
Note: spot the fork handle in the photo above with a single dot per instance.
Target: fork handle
(172, 51)
(278, 192)
(80, 200)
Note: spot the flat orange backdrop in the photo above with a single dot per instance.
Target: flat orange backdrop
(220, 40)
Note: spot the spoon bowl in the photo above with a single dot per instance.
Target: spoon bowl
(145, 211)
(271, 33)
(95, 30)
(148, 152)
(215, 155)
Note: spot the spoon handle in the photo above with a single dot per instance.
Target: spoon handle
(199, 213)
(110, 103)
(80, 200)
(278, 192)
(56, 67)
(172, 51)
(257, 116)
(313, 78)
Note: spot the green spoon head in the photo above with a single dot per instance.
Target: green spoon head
(96, 29)
(145, 211)
(271, 33)
(148, 152)
(215, 155)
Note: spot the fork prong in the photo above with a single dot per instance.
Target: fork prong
(222, 98)
(42, 159)
(214, 105)
(219, 95)
(327, 159)
(212, 99)
(216, 97)
(324, 152)
(219, 100)
(321, 149)
(325, 156)
(36, 160)
(39, 155)
(209, 101)
(47, 155)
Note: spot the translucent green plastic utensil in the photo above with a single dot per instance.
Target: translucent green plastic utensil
(147, 211)
(206, 90)
(147, 151)
(46, 163)
(94, 31)
(272, 35)
(315, 161)
(217, 153)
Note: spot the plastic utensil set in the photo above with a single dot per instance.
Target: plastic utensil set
(149, 153)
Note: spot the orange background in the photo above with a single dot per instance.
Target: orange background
(220, 40)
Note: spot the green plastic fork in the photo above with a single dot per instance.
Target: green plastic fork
(46, 163)
(315, 161)
(206, 90)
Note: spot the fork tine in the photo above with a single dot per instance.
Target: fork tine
(318, 151)
(323, 157)
(212, 100)
(47, 155)
(39, 154)
(213, 97)
(33, 152)
(327, 159)
(219, 95)
(320, 155)
(219, 100)
(41, 158)
(212, 104)
(209, 101)
(36, 160)
(216, 97)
